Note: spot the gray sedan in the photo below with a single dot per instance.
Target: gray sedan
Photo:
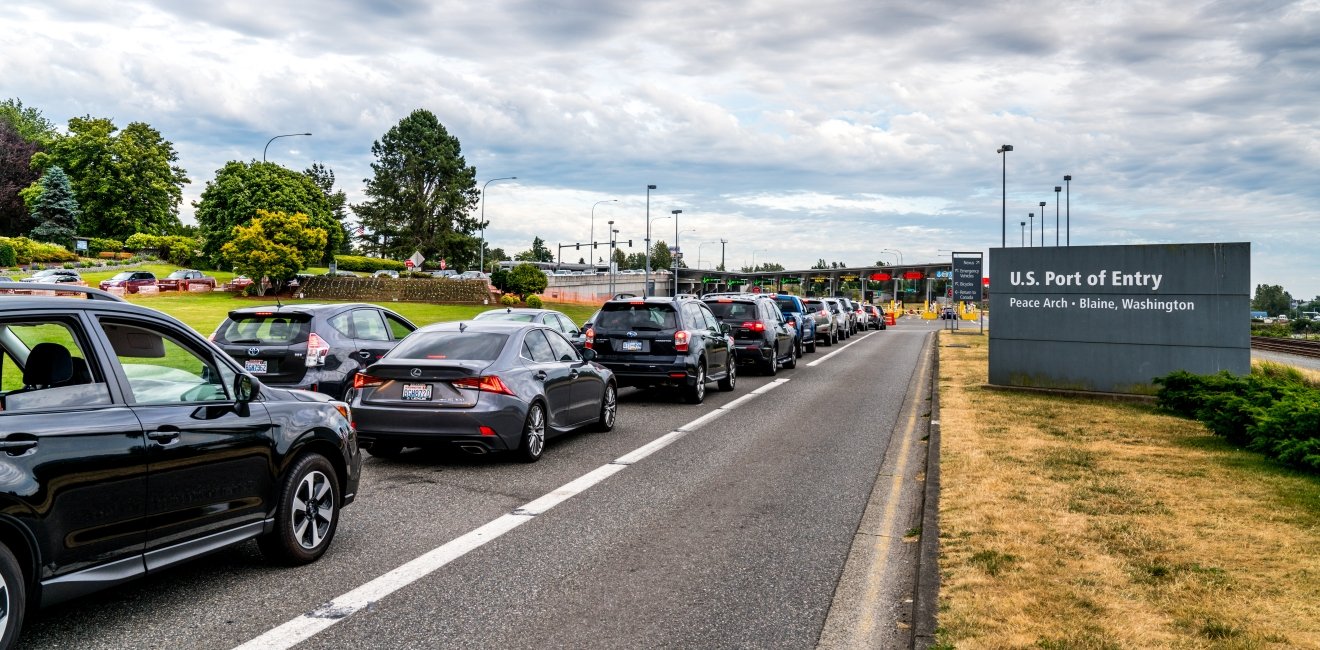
(482, 387)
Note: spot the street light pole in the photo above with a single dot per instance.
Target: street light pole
(722, 243)
(1003, 151)
(1042, 224)
(1031, 216)
(286, 135)
(673, 254)
(481, 255)
(592, 237)
(611, 261)
(1067, 198)
(646, 283)
(1024, 234)
(1056, 214)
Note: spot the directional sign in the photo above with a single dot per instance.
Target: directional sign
(966, 276)
(913, 275)
(881, 277)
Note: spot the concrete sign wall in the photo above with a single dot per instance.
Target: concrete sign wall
(1111, 318)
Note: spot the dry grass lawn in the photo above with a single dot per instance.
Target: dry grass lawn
(1080, 523)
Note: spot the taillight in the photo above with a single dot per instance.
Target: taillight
(487, 384)
(317, 350)
(754, 325)
(361, 381)
(681, 338)
(591, 337)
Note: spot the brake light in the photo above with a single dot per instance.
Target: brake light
(317, 350)
(591, 337)
(487, 384)
(265, 313)
(754, 325)
(681, 339)
(361, 381)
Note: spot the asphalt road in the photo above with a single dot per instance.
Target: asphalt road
(734, 534)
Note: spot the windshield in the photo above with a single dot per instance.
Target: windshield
(630, 316)
(177, 275)
(460, 346)
(732, 310)
(787, 305)
(264, 329)
(518, 317)
(122, 276)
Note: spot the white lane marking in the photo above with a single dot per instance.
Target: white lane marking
(821, 360)
(308, 625)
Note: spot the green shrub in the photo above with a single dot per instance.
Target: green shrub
(96, 246)
(508, 300)
(367, 264)
(534, 302)
(141, 241)
(7, 255)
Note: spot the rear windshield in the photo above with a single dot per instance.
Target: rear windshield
(815, 304)
(461, 346)
(264, 329)
(787, 304)
(627, 316)
(733, 310)
(517, 317)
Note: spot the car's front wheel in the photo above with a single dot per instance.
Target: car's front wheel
(307, 514)
(13, 598)
(533, 436)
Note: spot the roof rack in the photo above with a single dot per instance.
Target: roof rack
(63, 290)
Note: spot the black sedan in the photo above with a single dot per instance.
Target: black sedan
(481, 386)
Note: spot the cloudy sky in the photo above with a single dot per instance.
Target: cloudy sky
(796, 130)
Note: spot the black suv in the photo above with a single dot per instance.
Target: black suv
(664, 342)
(760, 335)
(131, 444)
(312, 347)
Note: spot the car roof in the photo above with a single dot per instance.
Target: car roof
(305, 308)
(496, 326)
(520, 310)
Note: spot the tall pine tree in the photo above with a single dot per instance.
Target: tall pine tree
(56, 210)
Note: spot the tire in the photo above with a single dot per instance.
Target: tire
(731, 378)
(380, 449)
(609, 408)
(307, 515)
(792, 359)
(13, 598)
(797, 349)
(772, 366)
(696, 393)
(533, 436)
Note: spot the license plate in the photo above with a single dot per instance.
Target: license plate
(255, 366)
(631, 346)
(417, 392)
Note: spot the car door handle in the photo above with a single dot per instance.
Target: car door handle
(541, 375)
(572, 374)
(365, 354)
(17, 447)
(165, 434)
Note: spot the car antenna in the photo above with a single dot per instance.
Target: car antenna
(278, 304)
(508, 310)
(462, 327)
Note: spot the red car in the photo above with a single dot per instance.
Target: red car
(185, 278)
(130, 281)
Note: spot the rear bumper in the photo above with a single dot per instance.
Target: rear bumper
(644, 371)
(446, 427)
(752, 352)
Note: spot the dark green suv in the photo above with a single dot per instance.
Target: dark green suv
(664, 342)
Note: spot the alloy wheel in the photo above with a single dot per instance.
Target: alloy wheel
(313, 510)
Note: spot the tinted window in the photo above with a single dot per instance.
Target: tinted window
(471, 346)
(709, 318)
(342, 323)
(368, 326)
(629, 316)
(787, 304)
(563, 349)
(517, 317)
(537, 348)
(160, 368)
(264, 329)
(398, 328)
(732, 310)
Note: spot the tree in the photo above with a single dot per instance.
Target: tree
(660, 257)
(1272, 299)
(526, 279)
(16, 173)
(538, 253)
(240, 190)
(324, 177)
(820, 264)
(620, 259)
(56, 210)
(421, 194)
(879, 263)
(126, 182)
(28, 122)
(274, 245)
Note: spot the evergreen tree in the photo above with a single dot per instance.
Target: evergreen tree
(56, 210)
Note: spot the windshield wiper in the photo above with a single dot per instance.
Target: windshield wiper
(246, 341)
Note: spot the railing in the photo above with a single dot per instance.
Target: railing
(1299, 347)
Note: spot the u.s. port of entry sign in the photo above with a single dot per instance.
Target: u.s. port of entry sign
(1112, 318)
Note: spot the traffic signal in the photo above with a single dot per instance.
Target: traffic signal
(629, 243)
(577, 247)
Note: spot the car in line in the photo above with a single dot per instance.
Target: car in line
(877, 317)
(132, 445)
(555, 320)
(849, 312)
(481, 387)
(316, 347)
(827, 326)
(184, 279)
(840, 317)
(664, 342)
(130, 281)
(761, 338)
(802, 323)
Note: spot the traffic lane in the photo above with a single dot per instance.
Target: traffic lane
(733, 536)
(404, 508)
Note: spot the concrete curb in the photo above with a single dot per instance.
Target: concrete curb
(925, 596)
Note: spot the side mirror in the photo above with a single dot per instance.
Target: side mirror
(725, 329)
(588, 354)
(245, 389)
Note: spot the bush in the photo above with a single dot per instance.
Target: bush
(534, 302)
(367, 264)
(526, 279)
(27, 251)
(96, 246)
(7, 256)
(508, 300)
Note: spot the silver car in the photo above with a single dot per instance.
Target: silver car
(481, 386)
(840, 316)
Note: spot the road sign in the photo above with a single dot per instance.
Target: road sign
(416, 259)
(408, 264)
(966, 277)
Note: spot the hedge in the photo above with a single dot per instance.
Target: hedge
(367, 264)
(1274, 410)
(386, 289)
(7, 256)
(27, 251)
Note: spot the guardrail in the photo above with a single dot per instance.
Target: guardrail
(1299, 347)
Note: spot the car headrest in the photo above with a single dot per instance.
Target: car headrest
(47, 363)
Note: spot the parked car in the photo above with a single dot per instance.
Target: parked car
(386, 273)
(555, 320)
(56, 276)
(840, 317)
(445, 273)
(802, 324)
(760, 335)
(474, 275)
(827, 326)
(481, 386)
(877, 319)
(340, 274)
(312, 346)
(130, 281)
(133, 444)
(239, 283)
(182, 279)
(664, 342)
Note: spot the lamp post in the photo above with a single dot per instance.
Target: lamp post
(1031, 216)
(1056, 214)
(1003, 151)
(286, 135)
(722, 243)
(759, 250)
(481, 255)
(646, 284)
(1024, 233)
(1042, 224)
(699, 245)
(673, 254)
(1067, 198)
(611, 261)
(899, 253)
(592, 237)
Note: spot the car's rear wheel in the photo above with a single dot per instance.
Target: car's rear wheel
(307, 514)
(730, 378)
(696, 393)
(533, 436)
(811, 346)
(792, 359)
(609, 408)
(772, 364)
(797, 349)
(13, 598)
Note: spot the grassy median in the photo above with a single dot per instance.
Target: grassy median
(1073, 522)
